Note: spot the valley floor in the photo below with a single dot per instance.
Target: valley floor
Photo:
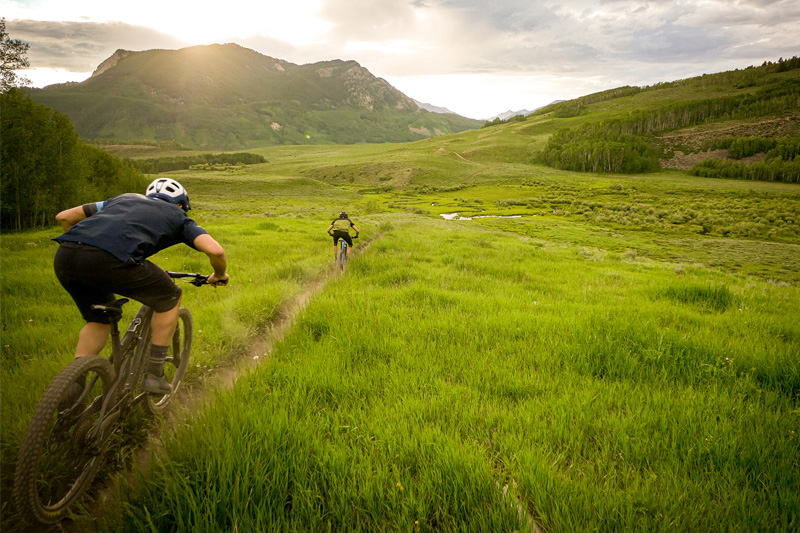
(591, 365)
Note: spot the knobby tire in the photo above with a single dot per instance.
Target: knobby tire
(177, 361)
(342, 255)
(58, 460)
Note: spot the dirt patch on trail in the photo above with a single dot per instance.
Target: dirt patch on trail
(261, 347)
(683, 161)
(695, 137)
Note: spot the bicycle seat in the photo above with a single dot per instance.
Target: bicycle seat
(112, 309)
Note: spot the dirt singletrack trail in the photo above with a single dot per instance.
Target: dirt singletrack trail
(472, 162)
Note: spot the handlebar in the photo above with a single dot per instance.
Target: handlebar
(193, 278)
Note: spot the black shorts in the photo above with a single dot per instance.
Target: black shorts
(342, 235)
(93, 276)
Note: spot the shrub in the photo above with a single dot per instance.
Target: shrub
(712, 297)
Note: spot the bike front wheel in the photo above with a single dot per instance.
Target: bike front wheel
(177, 361)
(65, 442)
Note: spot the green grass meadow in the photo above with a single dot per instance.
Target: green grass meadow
(623, 356)
(450, 362)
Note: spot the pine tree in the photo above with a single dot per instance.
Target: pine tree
(12, 58)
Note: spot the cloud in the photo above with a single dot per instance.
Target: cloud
(671, 43)
(82, 46)
(566, 47)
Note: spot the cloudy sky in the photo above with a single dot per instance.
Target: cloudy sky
(475, 57)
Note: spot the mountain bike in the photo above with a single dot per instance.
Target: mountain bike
(341, 253)
(85, 405)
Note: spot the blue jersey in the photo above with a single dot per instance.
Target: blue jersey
(134, 227)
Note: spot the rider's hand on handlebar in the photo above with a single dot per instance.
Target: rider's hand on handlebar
(215, 280)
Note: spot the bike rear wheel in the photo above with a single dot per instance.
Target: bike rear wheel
(60, 455)
(177, 361)
(342, 255)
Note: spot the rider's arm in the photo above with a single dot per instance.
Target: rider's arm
(70, 217)
(330, 228)
(355, 228)
(216, 255)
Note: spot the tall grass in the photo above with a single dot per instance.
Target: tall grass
(272, 258)
(450, 362)
(608, 370)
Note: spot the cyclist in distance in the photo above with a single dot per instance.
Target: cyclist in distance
(104, 252)
(341, 230)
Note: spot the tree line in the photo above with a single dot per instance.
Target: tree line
(509, 120)
(594, 147)
(739, 147)
(590, 149)
(768, 170)
(576, 106)
(781, 162)
(45, 167)
(168, 164)
(772, 100)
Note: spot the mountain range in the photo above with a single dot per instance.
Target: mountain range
(227, 97)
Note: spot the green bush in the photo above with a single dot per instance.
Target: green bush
(712, 297)
(774, 169)
(169, 164)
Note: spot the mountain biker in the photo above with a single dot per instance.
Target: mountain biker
(104, 252)
(341, 230)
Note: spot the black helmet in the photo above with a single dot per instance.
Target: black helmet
(342, 215)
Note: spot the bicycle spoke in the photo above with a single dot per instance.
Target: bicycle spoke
(68, 455)
(59, 458)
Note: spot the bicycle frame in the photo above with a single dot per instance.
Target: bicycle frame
(128, 361)
(342, 252)
(76, 438)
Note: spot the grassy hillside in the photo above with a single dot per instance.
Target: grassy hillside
(640, 129)
(227, 97)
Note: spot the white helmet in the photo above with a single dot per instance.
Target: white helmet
(170, 190)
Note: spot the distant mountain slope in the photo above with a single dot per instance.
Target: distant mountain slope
(432, 108)
(230, 97)
(739, 114)
(508, 114)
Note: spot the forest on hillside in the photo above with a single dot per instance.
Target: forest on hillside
(46, 167)
(624, 144)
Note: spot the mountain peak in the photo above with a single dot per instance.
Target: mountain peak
(225, 96)
(111, 61)
(433, 108)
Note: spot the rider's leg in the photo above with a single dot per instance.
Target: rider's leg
(163, 327)
(336, 239)
(92, 339)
